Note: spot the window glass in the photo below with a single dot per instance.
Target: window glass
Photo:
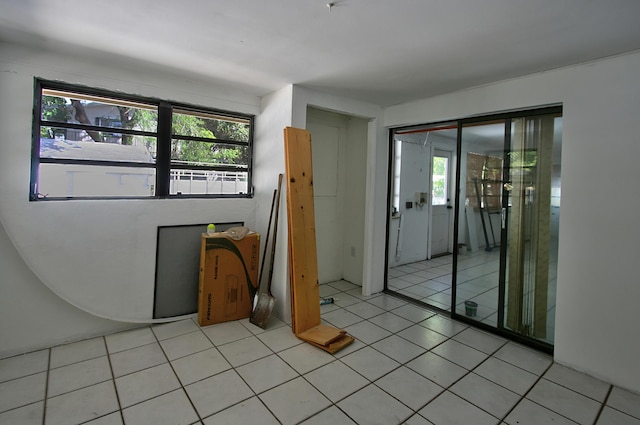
(69, 107)
(197, 153)
(440, 183)
(200, 124)
(192, 181)
(92, 143)
(71, 143)
(82, 180)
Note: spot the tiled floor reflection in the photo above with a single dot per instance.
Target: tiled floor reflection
(408, 365)
(429, 281)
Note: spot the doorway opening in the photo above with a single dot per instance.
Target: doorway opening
(339, 184)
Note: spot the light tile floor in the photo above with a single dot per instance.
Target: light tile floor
(408, 365)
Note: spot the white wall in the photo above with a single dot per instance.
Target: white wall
(33, 317)
(97, 255)
(268, 161)
(414, 177)
(288, 107)
(329, 142)
(598, 289)
(355, 200)
(339, 166)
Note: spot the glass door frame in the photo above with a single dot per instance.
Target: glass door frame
(392, 183)
(500, 329)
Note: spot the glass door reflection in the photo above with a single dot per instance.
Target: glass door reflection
(420, 234)
(531, 211)
(508, 219)
(479, 221)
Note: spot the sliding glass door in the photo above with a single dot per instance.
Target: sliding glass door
(509, 186)
(477, 266)
(496, 265)
(420, 227)
(531, 209)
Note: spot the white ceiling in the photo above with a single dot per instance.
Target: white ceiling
(383, 52)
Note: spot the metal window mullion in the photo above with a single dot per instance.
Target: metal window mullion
(87, 127)
(504, 232)
(209, 140)
(95, 162)
(250, 159)
(163, 159)
(35, 142)
(84, 91)
(208, 113)
(231, 168)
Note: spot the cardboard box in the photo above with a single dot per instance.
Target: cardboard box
(228, 277)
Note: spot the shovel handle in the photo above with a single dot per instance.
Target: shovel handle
(275, 233)
(266, 239)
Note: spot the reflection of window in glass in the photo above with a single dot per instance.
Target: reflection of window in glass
(98, 144)
(440, 182)
(397, 169)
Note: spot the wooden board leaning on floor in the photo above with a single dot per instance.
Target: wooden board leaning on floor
(303, 261)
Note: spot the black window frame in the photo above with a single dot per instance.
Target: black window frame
(164, 136)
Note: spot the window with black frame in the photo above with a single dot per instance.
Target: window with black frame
(91, 143)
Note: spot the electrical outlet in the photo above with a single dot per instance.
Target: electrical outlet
(353, 251)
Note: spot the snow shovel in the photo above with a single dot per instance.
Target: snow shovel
(265, 302)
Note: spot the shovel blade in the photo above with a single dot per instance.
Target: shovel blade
(262, 311)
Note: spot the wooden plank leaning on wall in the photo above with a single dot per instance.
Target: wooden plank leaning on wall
(303, 261)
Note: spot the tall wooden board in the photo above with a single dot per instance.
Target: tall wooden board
(303, 264)
(303, 261)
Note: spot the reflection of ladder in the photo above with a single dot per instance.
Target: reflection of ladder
(488, 209)
(487, 246)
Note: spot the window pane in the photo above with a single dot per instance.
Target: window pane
(197, 124)
(76, 108)
(69, 180)
(105, 144)
(440, 172)
(207, 182)
(67, 143)
(206, 154)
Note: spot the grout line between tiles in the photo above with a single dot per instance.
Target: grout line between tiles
(468, 371)
(495, 383)
(184, 390)
(46, 388)
(414, 411)
(604, 403)
(370, 382)
(575, 391)
(339, 359)
(113, 382)
(523, 396)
